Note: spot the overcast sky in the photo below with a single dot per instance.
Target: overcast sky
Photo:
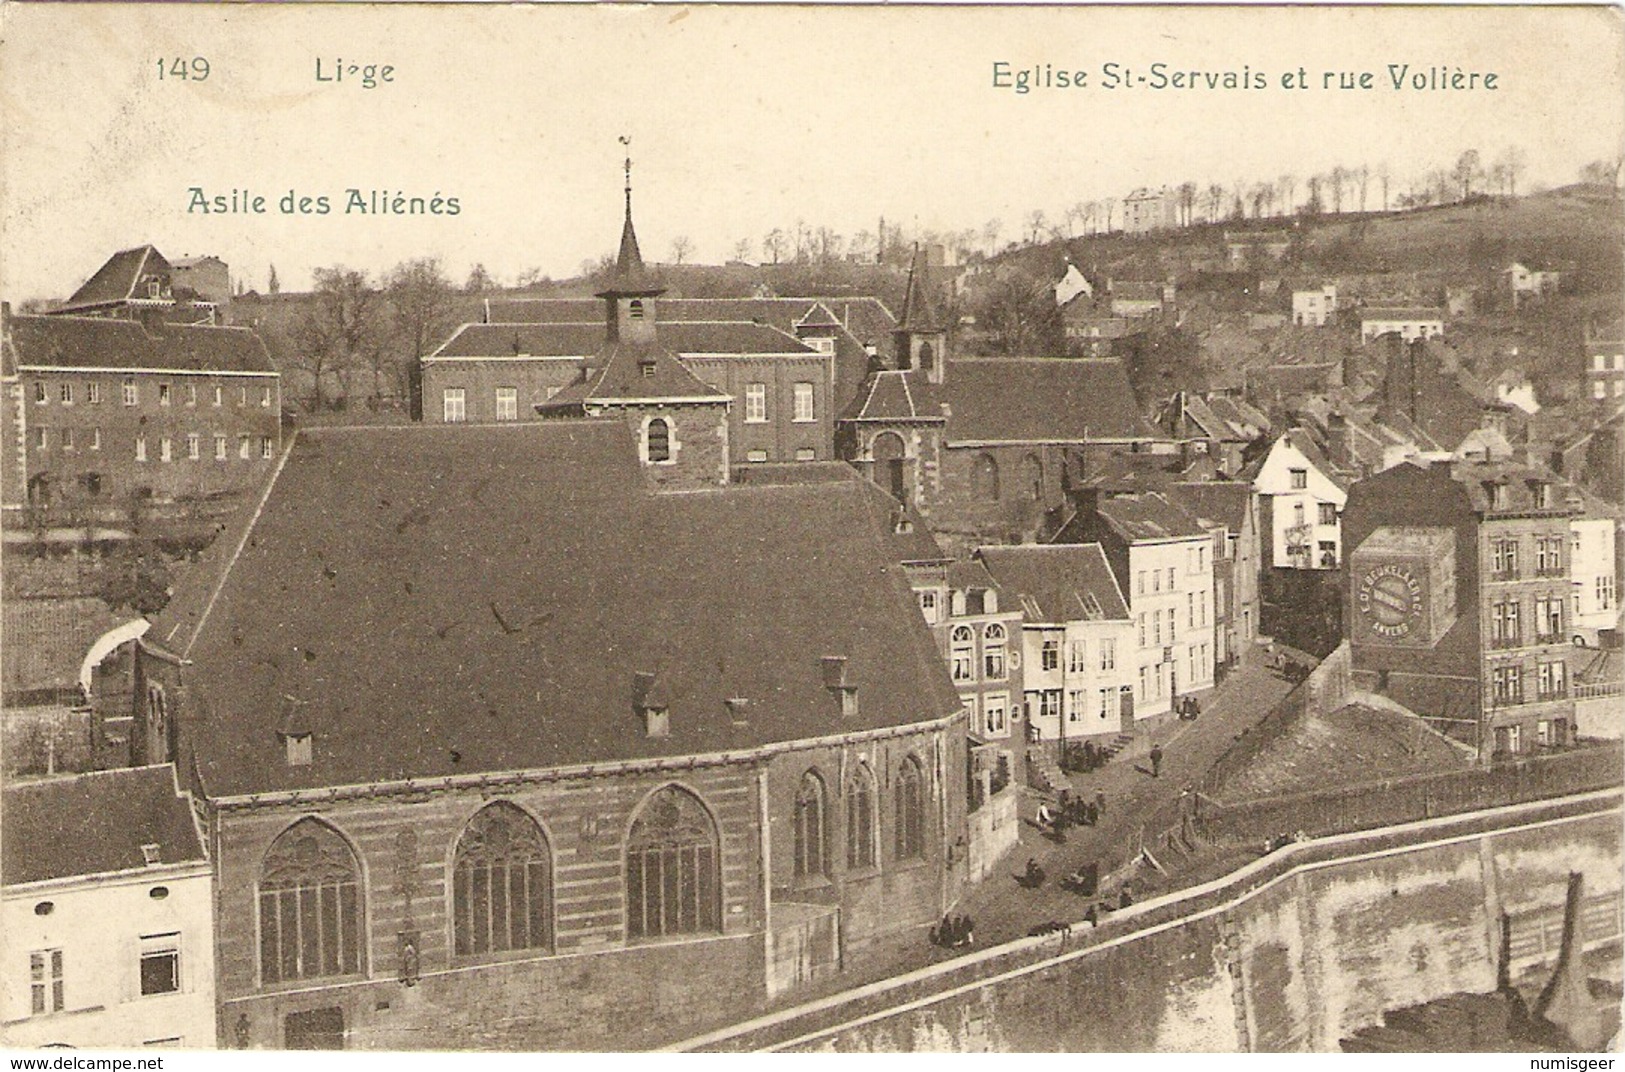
(741, 120)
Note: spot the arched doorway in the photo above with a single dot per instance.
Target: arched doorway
(888, 454)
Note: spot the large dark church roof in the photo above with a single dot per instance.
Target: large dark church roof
(443, 601)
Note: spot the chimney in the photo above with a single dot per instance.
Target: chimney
(838, 680)
(652, 704)
(1337, 437)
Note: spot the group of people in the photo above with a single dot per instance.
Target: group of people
(1070, 811)
(954, 932)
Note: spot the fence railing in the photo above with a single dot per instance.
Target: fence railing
(1408, 799)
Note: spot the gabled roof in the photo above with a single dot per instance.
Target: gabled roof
(93, 824)
(1057, 582)
(1520, 481)
(1148, 516)
(1304, 443)
(818, 316)
(452, 600)
(1055, 400)
(117, 280)
(1244, 421)
(634, 370)
(899, 527)
(895, 395)
(1224, 502)
(100, 342)
(580, 340)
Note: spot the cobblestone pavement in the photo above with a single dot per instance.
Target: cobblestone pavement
(1003, 910)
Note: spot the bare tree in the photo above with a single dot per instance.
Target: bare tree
(341, 332)
(1037, 224)
(1109, 207)
(1384, 176)
(1020, 312)
(1514, 163)
(773, 244)
(422, 309)
(1187, 203)
(479, 281)
(990, 234)
(681, 247)
(1289, 187)
(1466, 171)
(1337, 177)
(1215, 198)
(1362, 178)
(272, 284)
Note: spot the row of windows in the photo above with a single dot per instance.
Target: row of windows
(1600, 362)
(1078, 704)
(194, 448)
(1547, 681)
(985, 477)
(803, 454)
(454, 403)
(990, 714)
(756, 405)
(68, 391)
(71, 439)
(158, 971)
(962, 653)
(1600, 389)
(311, 901)
(1506, 620)
(860, 799)
(1548, 557)
(1325, 514)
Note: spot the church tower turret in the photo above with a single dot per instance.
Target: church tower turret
(920, 340)
(629, 299)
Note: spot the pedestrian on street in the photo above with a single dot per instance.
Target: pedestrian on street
(1156, 761)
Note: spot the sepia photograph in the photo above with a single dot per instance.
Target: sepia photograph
(747, 528)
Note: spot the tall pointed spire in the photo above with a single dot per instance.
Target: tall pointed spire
(918, 314)
(631, 277)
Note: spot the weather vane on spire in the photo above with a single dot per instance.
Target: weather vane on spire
(626, 140)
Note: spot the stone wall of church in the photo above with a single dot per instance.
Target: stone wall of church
(973, 509)
(405, 845)
(894, 894)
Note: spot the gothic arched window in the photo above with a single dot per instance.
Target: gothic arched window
(310, 905)
(810, 833)
(657, 440)
(985, 477)
(1032, 476)
(860, 817)
(672, 868)
(501, 883)
(910, 809)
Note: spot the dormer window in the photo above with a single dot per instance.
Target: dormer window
(1498, 496)
(634, 309)
(151, 854)
(299, 749)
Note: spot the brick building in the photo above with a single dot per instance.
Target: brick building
(778, 384)
(1492, 668)
(980, 446)
(102, 409)
(502, 748)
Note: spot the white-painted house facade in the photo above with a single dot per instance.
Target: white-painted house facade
(106, 917)
(1076, 639)
(1300, 505)
(1312, 308)
(1592, 569)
